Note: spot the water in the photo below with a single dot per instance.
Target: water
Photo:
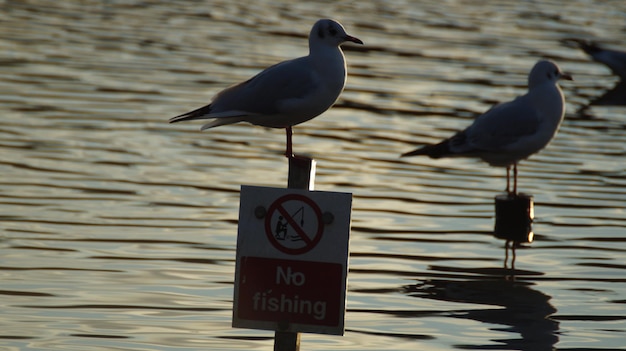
(119, 230)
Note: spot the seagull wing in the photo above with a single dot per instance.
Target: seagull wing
(265, 93)
(504, 125)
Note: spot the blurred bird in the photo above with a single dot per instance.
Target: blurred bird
(616, 61)
(288, 93)
(511, 131)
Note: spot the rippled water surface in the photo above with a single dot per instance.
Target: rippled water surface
(119, 230)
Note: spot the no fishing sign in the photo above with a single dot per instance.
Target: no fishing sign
(292, 260)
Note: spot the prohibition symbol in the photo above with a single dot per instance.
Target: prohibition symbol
(293, 224)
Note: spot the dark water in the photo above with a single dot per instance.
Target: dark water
(119, 230)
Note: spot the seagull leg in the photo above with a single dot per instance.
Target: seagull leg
(513, 258)
(515, 178)
(508, 168)
(506, 254)
(289, 151)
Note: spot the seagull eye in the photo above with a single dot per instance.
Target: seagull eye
(332, 31)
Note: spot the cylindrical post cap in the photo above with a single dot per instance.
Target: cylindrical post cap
(514, 217)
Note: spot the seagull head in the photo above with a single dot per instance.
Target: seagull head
(331, 33)
(546, 71)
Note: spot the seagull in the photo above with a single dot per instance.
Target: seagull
(614, 59)
(288, 93)
(511, 131)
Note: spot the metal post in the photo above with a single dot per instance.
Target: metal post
(301, 176)
(301, 173)
(514, 217)
(286, 341)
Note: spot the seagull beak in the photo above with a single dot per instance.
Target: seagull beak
(353, 39)
(566, 76)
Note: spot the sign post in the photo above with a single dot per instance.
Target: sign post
(292, 262)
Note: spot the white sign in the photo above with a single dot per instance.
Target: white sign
(292, 260)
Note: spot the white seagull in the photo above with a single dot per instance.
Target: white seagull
(511, 131)
(288, 93)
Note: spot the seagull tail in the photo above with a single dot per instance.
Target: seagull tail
(220, 121)
(433, 151)
(206, 112)
(201, 113)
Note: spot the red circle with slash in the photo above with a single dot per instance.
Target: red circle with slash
(310, 239)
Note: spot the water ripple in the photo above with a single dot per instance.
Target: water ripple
(119, 230)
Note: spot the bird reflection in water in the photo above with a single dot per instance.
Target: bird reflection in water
(523, 310)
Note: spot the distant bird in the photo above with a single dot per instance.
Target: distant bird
(511, 131)
(288, 93)
(616, 61)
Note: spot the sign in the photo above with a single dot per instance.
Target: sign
(292, 260)
(286, 290)
(289, 211)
